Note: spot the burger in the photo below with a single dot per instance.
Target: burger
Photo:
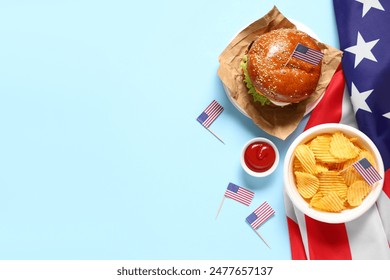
(274, 75)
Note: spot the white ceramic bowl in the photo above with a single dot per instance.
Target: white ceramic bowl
(267, 172)
(328, 217)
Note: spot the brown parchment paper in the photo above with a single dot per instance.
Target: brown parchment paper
(277, 121)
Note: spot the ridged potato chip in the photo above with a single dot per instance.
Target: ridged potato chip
(357, 192)
(350, 175)
(320, 146)
(354, 139)
(330, 202)
(307, 184)
(332, 181)
(321, 168)
(306, 157)
(342, 148)
(368, 156)
(315, 198)
(297, 165)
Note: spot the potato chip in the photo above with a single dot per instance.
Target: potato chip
(349, 173)
(342, 148)
(348, 163)
(306, 157)
(297, 165)
(350, 176)
(316, 198)
(369, 156)
(321, 168)
(357, 192)
(354, 139)
(362, 154)
(337, 166)
(307, 184)
(330, 202)
(320, 146)
(332, 181)
(331, 177)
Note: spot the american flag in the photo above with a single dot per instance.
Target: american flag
(209, 114)
(367, 171)
(307, 54)
(260, 215)
(365, 40)
(239, 194)
(357, 95)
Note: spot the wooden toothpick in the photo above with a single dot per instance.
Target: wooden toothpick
(215, 135)
(265, 242)
(220, 207)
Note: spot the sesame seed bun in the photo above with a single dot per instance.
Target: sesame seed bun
(277, 75)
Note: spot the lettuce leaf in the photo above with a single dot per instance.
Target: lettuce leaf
(251, 89)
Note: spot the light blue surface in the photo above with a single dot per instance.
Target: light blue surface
(100, 153)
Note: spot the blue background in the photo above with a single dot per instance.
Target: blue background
(101, 156)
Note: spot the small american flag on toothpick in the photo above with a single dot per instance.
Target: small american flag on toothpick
(237, 193)
(208, 116)
(259, 216)
(367, 171)
(307, 54)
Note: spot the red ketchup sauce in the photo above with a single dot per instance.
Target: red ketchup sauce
(259, 156)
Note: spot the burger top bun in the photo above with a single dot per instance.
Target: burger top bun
(277, 75)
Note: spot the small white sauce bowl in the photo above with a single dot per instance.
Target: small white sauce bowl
(267, 172)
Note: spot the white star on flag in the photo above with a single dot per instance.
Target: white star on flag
(387, 115)
(359, 99)
(368, 4)
(362, 50)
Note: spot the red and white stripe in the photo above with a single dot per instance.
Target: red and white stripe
(364, 238)
(312, 56)
(263, 213)
(213, 111)
(243, 195)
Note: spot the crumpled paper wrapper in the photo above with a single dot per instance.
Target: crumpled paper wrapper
(277, 121)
